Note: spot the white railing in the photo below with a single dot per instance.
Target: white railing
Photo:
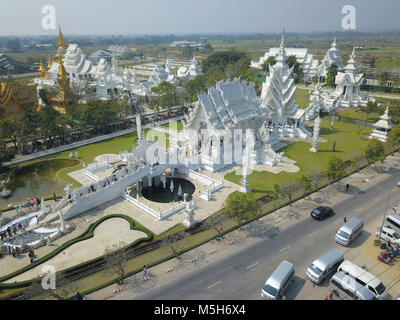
(136, 202)
(91, 175)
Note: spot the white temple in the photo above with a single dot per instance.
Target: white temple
(189, 73)
(332, 57)
(382, 127)
(304, 58)
(223, 116)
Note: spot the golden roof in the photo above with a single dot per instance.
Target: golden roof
(49, 63)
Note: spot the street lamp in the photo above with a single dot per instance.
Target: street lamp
(387, 202)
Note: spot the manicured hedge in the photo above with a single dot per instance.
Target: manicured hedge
(85, 236)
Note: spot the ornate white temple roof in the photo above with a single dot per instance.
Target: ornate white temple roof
(279, 91)
(75, 61)
(332, 57)
(190, 72)
(227, 105)
(384, 121)
(350, 75)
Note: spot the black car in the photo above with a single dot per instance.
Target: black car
(321, 213)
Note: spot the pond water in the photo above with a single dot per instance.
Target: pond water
(159, 194)
(35, 180)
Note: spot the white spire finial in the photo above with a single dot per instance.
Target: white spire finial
(283, 38)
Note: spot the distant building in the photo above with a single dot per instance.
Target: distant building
(118, 50)
(100, 54)
(9, 66)
(184, 43)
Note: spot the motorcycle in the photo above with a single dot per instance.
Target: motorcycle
(387, 259)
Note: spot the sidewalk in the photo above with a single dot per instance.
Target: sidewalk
(240, 239)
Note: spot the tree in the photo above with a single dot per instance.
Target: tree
(222, 59)
(289, 189)
(80, 90)
(297, 70)
(336, 169)
(115, 258)
(172, 242)
(331, 74)
(277, 195)
(394, 137)
(316, 175)
(64, 288)
(383, 78)
(306, 182)
(216, 222)
(187, 52)
(267, 63)
(375, 151)
(240, 207)
(167, 96)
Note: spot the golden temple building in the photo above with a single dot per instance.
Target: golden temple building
(16, 98)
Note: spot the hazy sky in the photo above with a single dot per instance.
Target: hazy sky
(19, 17)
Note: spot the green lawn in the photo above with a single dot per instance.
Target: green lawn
(347, 141)
(179, 125)
(303, 98)
(358, 115)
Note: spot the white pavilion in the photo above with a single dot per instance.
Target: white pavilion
(304, 58)
(189, 73)
(332, 57)
(382, 127)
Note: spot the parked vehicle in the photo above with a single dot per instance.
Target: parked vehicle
(324, 266)
(388, 234)
(392, 221)
(350, 231)
(347, 288)
(364, 278)
(277, 284)
(321, 213)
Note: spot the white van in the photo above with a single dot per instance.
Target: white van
(324, 266)
(349, 232)
(364, 278)
(392, 221)
(276, 285)
(347, 288)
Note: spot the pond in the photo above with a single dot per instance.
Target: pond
(35, 180)
(159, 194)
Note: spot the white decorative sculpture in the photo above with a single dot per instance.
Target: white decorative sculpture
(189, 213)
(139, 127)
(62, 224)
(317, 127)
(172, 186)
(245, 169)
(179, 190)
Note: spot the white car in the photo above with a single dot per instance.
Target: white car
(388, 234)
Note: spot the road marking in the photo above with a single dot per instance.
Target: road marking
(214, 284)
(312, 234)
(284, 249)
(252, 265)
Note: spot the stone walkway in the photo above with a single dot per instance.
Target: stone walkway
(108, 233)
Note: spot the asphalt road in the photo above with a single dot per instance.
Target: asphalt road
(241, 275)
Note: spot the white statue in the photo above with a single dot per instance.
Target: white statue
(139, 127)
(179, 190)
(172, 185)
(317, 127)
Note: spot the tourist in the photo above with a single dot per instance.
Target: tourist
(16, 209)
(20, 226)
(31, 259)
(9, 231)
(17, 250)
(395, 208)
(144, 272)
(55, 197)
(345, 219)
(78, 296)
(38, 201)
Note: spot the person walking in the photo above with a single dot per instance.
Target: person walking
(345, 219)
(144, 272)
(395, 208)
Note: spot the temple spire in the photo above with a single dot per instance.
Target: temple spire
(42, 69)
(61, 43)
